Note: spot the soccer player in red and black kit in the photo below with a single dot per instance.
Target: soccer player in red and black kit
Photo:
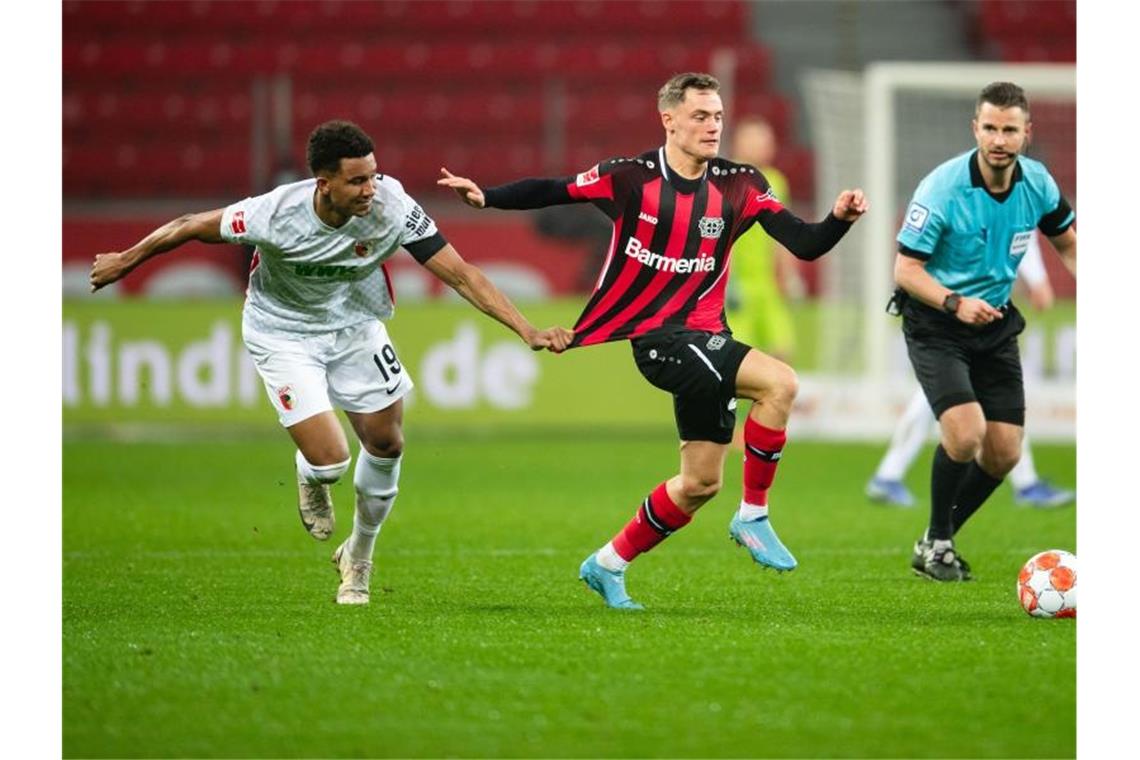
(676, 211)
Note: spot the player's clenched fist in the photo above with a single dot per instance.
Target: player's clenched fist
(464, 188)
(850, 205)
(107, 268)
(554, 339)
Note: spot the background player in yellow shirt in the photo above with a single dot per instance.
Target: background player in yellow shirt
(761, 269)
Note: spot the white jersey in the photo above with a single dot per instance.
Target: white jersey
(308, 277)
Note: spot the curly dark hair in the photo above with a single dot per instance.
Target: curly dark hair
(334, 140)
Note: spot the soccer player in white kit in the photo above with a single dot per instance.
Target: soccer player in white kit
(914, 428)
(318, 291)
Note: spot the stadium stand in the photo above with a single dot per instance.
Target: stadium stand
(481, 86)
(159, 97)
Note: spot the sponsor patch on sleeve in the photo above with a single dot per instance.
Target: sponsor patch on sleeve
(417, 223)
(916, 216)
(589, 177)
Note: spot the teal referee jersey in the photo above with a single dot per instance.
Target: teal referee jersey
(973, 240)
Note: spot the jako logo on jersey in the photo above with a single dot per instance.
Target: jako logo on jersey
(634, 250)
(285, 396)
(647, 218)
(589, 177)
(237, 223)
(711, 227)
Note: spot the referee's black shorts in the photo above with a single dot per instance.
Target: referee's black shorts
(957, 363)
(699, 368)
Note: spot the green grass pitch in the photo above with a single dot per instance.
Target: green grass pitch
(198, 616)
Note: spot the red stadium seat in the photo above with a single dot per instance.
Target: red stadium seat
(472, 82)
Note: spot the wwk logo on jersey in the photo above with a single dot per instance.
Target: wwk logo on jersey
(237, 223)
(589, 177)
(916, 216)
(711, 227)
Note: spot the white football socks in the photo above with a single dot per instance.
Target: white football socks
(749, 512)
(377, 483)
(1024, 473)
(610, 559)
(911, 432)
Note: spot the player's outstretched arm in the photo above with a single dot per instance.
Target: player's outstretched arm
(808, 241)
(467, 190)
(530, 193)
(470, 282)
(911, 276)
(1066, 245)
(114, 266)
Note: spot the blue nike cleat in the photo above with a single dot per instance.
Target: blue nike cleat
(893, 492)
(1043, 495)
(609, 584)
(761, 541)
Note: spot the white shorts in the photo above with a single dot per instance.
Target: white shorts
(355, 369)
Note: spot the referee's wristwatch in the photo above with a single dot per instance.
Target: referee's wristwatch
(950, 303)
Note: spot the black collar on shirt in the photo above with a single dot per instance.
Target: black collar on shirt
(679, 183)
(977, 180)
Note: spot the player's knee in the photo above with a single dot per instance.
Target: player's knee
(999, 460)
(787, 385)
(325, 470)
(388, 444)
(700, 489)
(962, 444)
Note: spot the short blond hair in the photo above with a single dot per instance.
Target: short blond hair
(672, 93)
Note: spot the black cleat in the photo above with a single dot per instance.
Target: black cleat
(940, 564)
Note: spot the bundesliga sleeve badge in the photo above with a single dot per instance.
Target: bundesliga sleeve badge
(916, 216)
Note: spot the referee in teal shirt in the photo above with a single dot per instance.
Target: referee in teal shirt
(963, 236)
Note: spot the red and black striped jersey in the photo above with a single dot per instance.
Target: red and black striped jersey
(667, 263)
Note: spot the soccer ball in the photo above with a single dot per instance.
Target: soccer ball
(1047, 585)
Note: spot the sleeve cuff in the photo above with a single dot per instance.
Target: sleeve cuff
(911, 253)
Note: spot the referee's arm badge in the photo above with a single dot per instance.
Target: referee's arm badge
(916, 217)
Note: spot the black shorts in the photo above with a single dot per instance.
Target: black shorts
(958, 364)
(699, 369)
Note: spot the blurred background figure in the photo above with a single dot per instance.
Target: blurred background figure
(763, 272)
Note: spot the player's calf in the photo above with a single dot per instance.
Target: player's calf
(377, 483)
(314, 503)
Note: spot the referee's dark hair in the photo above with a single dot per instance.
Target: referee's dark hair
(334, 140)
(1003, 95)
(673, 92)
